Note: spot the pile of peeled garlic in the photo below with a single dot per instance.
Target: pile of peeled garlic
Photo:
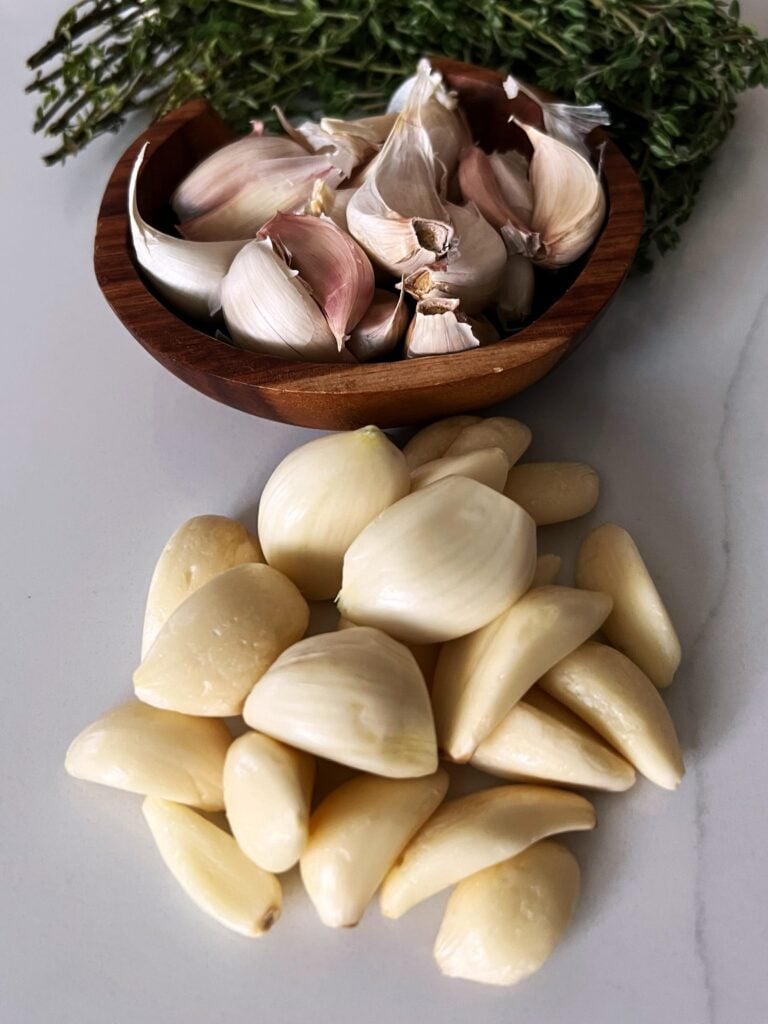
(454, 641)
(351, 241)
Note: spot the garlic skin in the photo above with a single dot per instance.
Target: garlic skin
(267, 792)
(547, 571)
(141, 749)
(510, 169)
(212, 870)
(505, 211)
(612, 695)
(502, 924)
(357, 834)
(570, 123)
(356, 697)
(440, 563)
(480, 677)
(320, 497)
(346, 144)
(489, 466)
(434, 440)
(474, 832)
(439, 328)
(380, 328)
(639, 624)
(330, 202)
(220, 640)
(554, 492)
(514, 296)
(502, 432)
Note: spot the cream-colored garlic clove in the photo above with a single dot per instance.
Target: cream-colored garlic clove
(200, 549)
(212, 870)
(220, 640)
(320, 497)
(568, 122)
(434, 440)
(356, 697)
(511, 217)
(554, 492)
(639, 624)
(502, 924)
(502, 432)
(488, 466)
(480, 677)
(514, 297)
(440, 563)
(380, 328)
(425, 654)
(267, 793)
(157, 753)
(439, 327)
(547, 570)
(474, 832)
(602, 686)
(357, 834)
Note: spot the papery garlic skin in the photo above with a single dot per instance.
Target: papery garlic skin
(474, 832)
(142, 749)
(212, 870)
(380, 328)
(434, 440)
(439, 563)
(330, 202)
(489, 466)
(220, 640)
(439, 328)
(357, 834)
(568, 122)
(510, 169)
(346, 144)
(514, 296)
(547, 570)
(554, 492)
(512, 436)
(320, 497)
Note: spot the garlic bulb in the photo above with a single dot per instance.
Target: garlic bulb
(319, 499)
(438, 328)
(357, 834)
(554, 492)
(346, 144)
(502, 924)
(547, 570)
(220, 640)
(489, 466)
(514, 297)
(512, 436)
(329, 201)
(380, 328)
(479, 185)
(434, 440)
(212, 870)
(570, 123)
(158, 753)
(474, 832)
(439, 563)
(356, 697)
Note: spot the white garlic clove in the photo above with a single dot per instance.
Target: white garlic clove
(614, 697)
(440, 563)
(639, 624)
(568, 122)
(142, 749)
(514, 297)
(554, 492)
(220, 640)
(212, 870)
(488, 466)
(425, 654)
(502, 924)
(320, 497)
(356, 697)
(495, 432)
(474, 832)
(380, 328)
(357, 834)
(479, 185)
(439, 328)
(547, 571)
(434, 440)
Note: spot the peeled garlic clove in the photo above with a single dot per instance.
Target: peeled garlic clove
(267, 790)
(479, 185)
(547, 570)
(158, 753)
(474, 832)
(488, 466)
(514, 297)
(619, 701)
(438, 328)
(200, 549)
(425, 654)
(212, 870)
(219, 642)
(481, 677)
(502, 924)
(639, 624)
(570, 123)
(434, 440)
(380, 328)
(502, 432)
(439, 563)
(321, 497)
(356, 697)
(554, 492)
(357, 834)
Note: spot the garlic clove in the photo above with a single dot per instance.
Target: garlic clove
(142, 749)
(321, 497)
(267, 792)
(510, 169)
(547, 570)
(614, 697)
(425, 654)
(346, 144)
(357, 834)
(502, 924)
(514, 296)
(380, 328)
(502, 432)
(212, 870)
(480, 678)
(438, 328)
(479, 185)
(434, 440)
(439, 563)
(488, 466)
(554, 492)
(356, 697)
(330, 202)
(220, 640)
(639, 624)
(474, 832)
(570, 123)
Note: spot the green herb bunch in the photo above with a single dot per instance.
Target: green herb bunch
(669, 72)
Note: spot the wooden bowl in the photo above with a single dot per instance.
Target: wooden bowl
(343, 396)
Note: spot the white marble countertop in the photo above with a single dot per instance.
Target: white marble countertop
(104, 453)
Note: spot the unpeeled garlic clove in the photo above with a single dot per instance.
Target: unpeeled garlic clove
(321, 497)
(356, 697)
(502, 924)
(212, 870)
(602, 686)
(514, 296)
(479, 185)
(142, 749)
(547, 570)
(330, 202)
(434, 440)
(474, 832)
(480, 677)
(568, 122)
(380, 328)
(220, 640)
(346, 144)
(439, 328)
(502, 432)
(357, 834)
(489, 466)
(267, 791)
(554, 492)
(510, 169)
(439, 563)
